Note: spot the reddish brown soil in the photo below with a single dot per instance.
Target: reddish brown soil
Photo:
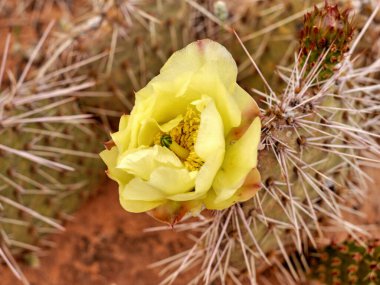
(104, 245)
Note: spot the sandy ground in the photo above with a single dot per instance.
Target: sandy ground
(104, 245)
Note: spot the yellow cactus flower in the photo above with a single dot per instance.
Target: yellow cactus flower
(191, 139)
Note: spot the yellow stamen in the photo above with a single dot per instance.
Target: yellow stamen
(182, 138)
(167, 141)
(180, 151)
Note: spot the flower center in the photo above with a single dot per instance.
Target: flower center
(181, 152)
(181, 139)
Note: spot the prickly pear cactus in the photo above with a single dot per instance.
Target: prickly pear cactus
(347, 263)
(48, 151)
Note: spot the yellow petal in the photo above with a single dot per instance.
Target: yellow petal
(203, 67)
(135, 206)
(140, 190)
(168, 95)
(171, 124)
(203, 180)
(245, 192)
(150, 128)
(249, 112)
(200, 53)
(209, 146)
(127, 136)
(172, 181)
(245, 102)
(192, 195)
(143, 161)
(123, 123)
(110, 159)
(210, 137)
(239, 160)
(206, 81)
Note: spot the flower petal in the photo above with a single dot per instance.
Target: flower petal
(150, 128)
(210, 138)
(200, 53)
(251, 185)
(203, 180)
(209, 146)
(203, 67)
(123, 123)
(172, 181)
(239, 160)
(249, 112)
(172, 212)
(139, 190)
(206, 81)
(110, 159)
(143, 161)
(127, 138)
(245, 192)
(169, 96)
(135, 206)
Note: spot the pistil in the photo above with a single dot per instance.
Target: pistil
(167, 141)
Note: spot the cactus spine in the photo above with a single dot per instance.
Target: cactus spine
(315, 127)
(48, 151)
(312, 139)
(313, 121)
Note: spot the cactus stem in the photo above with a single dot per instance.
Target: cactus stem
(35, 158)
(13, 184)
(52, 134)
(31, 212)
(34, 54)
(64, 151)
